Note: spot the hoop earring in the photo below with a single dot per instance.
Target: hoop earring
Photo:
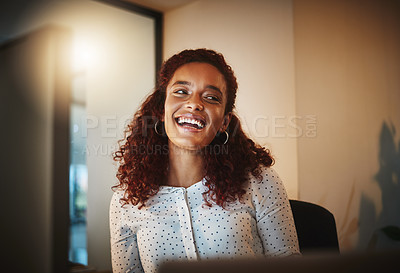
(155, 128)
(227, 137)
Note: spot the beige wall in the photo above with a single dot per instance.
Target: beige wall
(347, 73)
(256, 37)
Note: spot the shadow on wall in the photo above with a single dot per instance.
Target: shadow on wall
(381, 231)
(349, 227)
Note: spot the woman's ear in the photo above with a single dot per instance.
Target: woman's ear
(226, 121)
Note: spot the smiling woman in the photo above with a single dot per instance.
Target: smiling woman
(178, 200)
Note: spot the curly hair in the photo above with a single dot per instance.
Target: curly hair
(143, 153)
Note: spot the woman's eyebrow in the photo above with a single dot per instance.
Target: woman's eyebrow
(181, 83)
(188, 84)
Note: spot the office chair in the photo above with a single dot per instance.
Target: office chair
(316, 227)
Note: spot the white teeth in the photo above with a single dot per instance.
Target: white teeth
(189, 120)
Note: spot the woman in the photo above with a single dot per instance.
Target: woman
(192, 185)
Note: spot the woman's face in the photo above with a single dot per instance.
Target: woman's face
(194, 106)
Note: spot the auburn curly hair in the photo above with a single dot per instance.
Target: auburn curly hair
(143, 153)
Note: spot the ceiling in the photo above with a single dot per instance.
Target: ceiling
(161, 5)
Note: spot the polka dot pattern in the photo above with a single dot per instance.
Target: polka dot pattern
(176, 225)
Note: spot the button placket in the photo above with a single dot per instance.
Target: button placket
(186, 226)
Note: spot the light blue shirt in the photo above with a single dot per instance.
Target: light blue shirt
(176, 225)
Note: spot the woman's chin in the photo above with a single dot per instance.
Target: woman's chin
(188, 146)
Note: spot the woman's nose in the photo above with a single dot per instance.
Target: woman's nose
(195, 103)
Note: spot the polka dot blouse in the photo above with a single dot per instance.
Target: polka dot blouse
(174, 225)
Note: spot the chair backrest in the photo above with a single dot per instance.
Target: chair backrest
(316, 227)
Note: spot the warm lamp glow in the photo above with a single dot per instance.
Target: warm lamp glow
(84, 55)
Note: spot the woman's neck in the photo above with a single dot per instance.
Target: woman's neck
(186, 167)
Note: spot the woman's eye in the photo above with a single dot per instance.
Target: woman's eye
(180, 92)
(213, 98)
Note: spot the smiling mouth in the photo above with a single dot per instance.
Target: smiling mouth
(190, 122)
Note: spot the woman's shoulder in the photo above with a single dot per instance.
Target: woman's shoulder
(118, 203)
(264, 175)
(123, 210)
(115, 203)
(117, 195)
(268, 191)
(266, 179)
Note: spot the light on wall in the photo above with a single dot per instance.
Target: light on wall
(84, 54)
